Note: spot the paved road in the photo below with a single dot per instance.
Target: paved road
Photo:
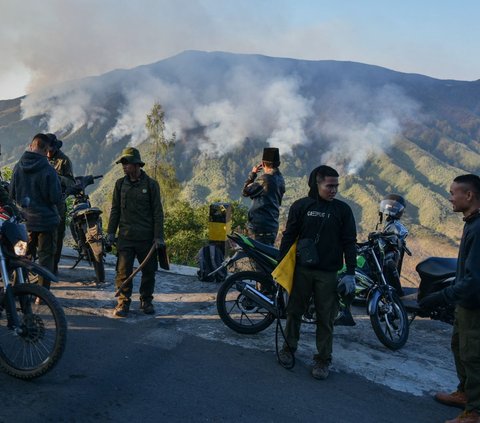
(184, 365)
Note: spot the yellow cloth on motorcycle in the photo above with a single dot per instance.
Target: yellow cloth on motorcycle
(285, 270)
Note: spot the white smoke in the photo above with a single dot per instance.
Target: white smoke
(361, 122)
(65, 108)
(346, 125)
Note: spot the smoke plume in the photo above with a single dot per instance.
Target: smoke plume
(346, 123)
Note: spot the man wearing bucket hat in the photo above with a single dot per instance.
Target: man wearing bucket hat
(266, 193)
(137, 213)
(63, 166)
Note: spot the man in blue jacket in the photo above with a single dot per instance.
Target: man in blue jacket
(465, 293)
(328, 226)
(33, 177)
(266, 193)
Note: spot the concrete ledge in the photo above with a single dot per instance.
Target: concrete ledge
(110, 259)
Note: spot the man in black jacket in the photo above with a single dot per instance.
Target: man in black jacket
(465, 293)
(63, 166)
(33, 177)
(330, 225)
(266, 192)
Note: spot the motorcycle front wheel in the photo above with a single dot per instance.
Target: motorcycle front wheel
(239, 312)
(39, 345)
(389, 320)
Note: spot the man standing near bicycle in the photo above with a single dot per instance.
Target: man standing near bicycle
(326, 233)
(33, 177)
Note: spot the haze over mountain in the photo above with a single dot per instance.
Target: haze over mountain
(388, 131)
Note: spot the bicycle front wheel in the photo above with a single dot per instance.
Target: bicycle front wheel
(39, 344)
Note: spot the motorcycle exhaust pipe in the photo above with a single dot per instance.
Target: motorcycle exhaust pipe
(258, 298)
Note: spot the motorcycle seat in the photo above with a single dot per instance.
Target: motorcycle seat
(266, 249)
(78, 207)
(437, 268)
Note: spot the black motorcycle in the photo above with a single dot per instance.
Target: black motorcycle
(33, 328)
(248, 302)
(436, 273)
(86, 227)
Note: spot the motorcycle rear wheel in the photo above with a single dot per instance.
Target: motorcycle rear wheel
(40, 346)
(390, 321)
(239, 312)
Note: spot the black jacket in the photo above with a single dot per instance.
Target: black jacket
(466, 289)
(267, 193)
(33, 177)
(331, 222)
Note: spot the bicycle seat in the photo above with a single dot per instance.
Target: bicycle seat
(437, 268)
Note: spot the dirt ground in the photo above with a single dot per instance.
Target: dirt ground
(424, 365)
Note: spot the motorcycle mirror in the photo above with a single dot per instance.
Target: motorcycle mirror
(25, 202)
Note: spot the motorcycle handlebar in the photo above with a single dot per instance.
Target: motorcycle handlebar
(98, 177)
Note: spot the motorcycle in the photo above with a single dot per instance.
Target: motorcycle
(436, 273)
(248, 302)
(86, 227)
(33, 327)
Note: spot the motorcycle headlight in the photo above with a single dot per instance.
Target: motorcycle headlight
(20, 248)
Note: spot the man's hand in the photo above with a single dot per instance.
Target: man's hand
(110, 239)
(159, 243)
(257, 168)
(431, 301)
(346, 286)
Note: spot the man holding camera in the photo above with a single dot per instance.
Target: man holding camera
(266, 192)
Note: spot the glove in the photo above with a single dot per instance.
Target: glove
(159, 242)
(431, 301)
(110, 239)
(346, 286)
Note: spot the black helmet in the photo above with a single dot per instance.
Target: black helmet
(392, 205)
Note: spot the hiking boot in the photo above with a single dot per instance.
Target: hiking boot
(147, 307)
(121, 310)
(455, 399)
(466, 417)
(285, 356)
(320, 369)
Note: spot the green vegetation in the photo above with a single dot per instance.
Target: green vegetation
(186, 222)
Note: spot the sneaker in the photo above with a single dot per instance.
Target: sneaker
(121, 310)
(466, 417)
(147, 307)
(320, 369)
(285, 357)
(455, 399)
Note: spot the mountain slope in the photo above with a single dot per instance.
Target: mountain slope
(385, 131)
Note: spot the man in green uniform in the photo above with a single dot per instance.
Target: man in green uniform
(63, 166)
(138, 214)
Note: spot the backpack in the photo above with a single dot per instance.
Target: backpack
(210, 258)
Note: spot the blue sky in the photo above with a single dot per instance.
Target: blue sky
(47, 42)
